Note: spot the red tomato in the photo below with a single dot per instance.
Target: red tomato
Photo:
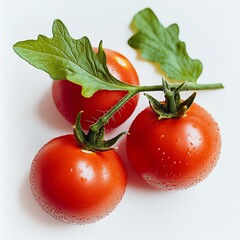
(69, 101)
(74, 185)
(171, 154)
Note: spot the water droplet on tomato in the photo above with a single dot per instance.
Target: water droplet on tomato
(83, 179)
(147, 178)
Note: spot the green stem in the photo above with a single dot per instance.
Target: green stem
(188, 86)
(170, 102)
(133, 90)
(104, 119)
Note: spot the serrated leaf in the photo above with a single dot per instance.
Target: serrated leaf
(63, 57)
(162, 45)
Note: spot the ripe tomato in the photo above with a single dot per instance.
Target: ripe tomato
(74, 185)
(171, 154)
(69, 101)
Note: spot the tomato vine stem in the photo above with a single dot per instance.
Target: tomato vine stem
(187, 87)
(94, 129)
(137, 89)
(95, 136)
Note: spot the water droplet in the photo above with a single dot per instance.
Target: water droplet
(147, 177)
(83, 179)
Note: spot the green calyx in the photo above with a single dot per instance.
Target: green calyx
(173, 106)
(94, 139)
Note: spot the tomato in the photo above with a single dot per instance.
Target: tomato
(69, 101)
(74, 185)
(172, 154)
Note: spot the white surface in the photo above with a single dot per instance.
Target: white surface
(210, 28)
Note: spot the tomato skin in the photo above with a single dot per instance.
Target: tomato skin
(173, 154)
(69, 101)
(76, 186)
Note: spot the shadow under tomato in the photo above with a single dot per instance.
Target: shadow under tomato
(48, 112)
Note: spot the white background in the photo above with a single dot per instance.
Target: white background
(210, 28)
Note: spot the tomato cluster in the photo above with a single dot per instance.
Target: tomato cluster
(76, 185)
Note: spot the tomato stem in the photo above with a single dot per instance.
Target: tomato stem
(94, 139)
(173, 106)
(187, 87)
(133, 90)
(104, 119)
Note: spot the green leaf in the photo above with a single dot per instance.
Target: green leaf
(63, 57)
(162, 45)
